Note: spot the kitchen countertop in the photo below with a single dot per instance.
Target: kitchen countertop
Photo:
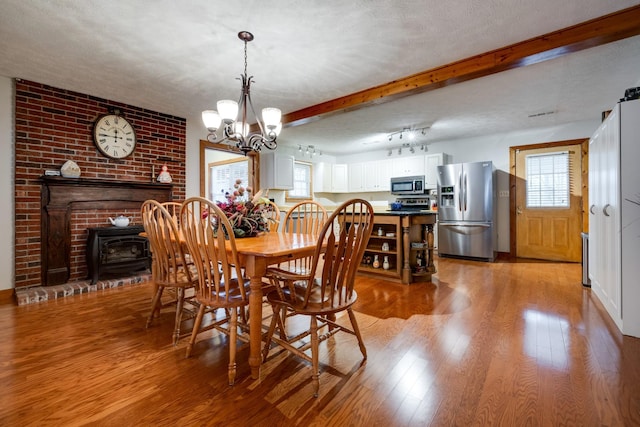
(405, 212)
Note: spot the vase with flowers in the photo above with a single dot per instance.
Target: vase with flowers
(248, 215)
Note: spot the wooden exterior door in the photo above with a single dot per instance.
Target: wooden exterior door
(546, 230)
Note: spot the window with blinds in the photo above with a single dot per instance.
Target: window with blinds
(548, 180)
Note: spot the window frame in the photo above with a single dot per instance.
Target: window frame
(293, 198)
(560, 199)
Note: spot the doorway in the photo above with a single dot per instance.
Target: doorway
(548, 199)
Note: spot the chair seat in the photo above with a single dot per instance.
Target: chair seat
(235, 295)
(316, 305)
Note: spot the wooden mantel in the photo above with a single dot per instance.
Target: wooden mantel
(59, 196)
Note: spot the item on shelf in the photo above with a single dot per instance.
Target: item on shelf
(385, 246)
(385, 263)
(391, 234)
(417, 245)
(164, 176)
(380, 231)
(70, 169)
(120, 221)
(419, 259)
(376, 261)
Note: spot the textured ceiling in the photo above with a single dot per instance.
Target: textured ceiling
(180, 57)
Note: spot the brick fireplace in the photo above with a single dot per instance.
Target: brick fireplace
(55, 125)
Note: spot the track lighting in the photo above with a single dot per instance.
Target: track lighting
(409, 134)
(308, 150)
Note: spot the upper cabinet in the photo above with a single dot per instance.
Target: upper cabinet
(431, 163)
(322, 177)
(369, 176)
(330, 178)
(407, 166)
(276, 171)
(377, 175)
(339, 178)
(356, 177)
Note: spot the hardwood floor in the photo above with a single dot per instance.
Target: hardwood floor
(506, 343)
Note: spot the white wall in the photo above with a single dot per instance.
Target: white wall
(7, 156)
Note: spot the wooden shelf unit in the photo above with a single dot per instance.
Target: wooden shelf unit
(402, 258)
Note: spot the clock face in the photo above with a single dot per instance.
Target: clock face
(114, 136)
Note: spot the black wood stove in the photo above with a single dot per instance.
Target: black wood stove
(117, 251)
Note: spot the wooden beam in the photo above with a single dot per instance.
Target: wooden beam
(596, 32)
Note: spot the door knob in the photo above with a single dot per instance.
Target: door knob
(519, 210)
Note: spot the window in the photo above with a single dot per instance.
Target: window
(224, 174)
(301, 181)
(548, 180)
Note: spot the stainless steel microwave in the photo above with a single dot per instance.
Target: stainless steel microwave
(407, 185)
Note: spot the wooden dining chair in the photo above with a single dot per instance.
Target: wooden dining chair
(169, 266)
(174, 210)
(327, 289)
(306, 217)
(221, 283)
(273, 215)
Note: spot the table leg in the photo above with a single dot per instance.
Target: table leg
(255, 269)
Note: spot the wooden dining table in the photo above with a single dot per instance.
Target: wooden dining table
(255, 255)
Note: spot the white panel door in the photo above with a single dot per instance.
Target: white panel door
(604, 215)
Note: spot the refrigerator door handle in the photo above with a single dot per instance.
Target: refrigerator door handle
(465, 191)
(460, 192)
(463, 224)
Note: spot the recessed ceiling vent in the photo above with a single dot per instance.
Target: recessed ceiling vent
(543, 113)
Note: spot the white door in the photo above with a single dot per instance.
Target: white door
(604, 215)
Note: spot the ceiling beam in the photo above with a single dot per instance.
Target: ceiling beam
(596, 32)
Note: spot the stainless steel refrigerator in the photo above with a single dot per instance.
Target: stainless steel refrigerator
(466, 210)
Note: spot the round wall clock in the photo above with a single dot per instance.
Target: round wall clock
(114, 136)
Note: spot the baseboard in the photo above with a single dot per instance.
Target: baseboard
(7, 296)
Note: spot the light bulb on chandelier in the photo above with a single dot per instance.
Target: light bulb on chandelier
(237, 132)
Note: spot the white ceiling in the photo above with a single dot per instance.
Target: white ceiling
(179, 57)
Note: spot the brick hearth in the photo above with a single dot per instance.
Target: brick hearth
(38, 294)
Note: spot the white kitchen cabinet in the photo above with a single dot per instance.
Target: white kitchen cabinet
(322, 177)
(276, 171)
(614, 215)
(356, 177)
(330, 178)
(339, 178)
(407, 166)
(377, 175)
(431, 163)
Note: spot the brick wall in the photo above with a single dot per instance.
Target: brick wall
(55, 125)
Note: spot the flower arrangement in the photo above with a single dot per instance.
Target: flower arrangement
(248, 215)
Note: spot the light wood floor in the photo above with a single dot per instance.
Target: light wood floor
(507, 343)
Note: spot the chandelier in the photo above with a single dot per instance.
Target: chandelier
(236, 132)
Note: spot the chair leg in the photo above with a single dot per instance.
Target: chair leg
(196, 328)
(356, 329)
(315, 376)
(272, 329)
(233, 336)
(156, 302)
(179, 306)
(281, 321)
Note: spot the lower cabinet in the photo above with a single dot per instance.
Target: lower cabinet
(400, 248)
